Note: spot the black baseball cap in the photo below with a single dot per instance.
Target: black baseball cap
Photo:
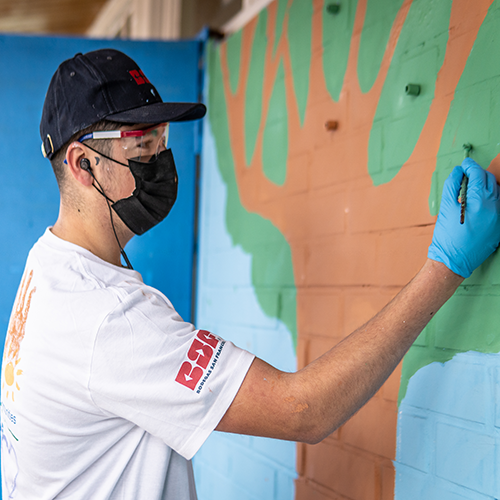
(103, 84)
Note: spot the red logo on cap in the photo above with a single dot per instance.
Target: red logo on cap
(139, 77)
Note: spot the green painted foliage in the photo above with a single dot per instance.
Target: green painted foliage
(233, 60)
(255, 84)
(275, 143)
(280, 17)
(272, 270)
(337, 33)
(379, 18)
(299, 41)
(468, 321)
(417, 59)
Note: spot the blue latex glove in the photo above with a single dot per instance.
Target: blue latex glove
(463, 247)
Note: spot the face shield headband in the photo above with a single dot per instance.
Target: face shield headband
(141, 145)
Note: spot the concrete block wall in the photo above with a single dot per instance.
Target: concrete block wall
(231, 466)
(331, 221)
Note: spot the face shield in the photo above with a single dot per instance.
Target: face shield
(142, 145)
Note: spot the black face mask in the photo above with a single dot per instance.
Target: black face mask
(154, 195)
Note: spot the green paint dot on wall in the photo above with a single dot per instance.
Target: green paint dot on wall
(417, 59)
(275, 144)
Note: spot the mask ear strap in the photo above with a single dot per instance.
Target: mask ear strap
(100, 190)
(104, 156)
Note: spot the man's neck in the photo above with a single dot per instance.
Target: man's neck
(96, 237)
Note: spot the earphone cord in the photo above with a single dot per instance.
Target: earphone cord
(122, 251)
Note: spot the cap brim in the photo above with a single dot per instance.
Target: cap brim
(161, 112)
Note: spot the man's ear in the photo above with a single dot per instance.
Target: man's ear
(74, 156)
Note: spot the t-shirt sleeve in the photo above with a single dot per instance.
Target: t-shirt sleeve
(159, 372)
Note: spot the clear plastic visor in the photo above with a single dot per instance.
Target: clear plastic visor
(147, 145)
(142, 145)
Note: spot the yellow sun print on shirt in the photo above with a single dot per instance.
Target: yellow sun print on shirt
(15, 336)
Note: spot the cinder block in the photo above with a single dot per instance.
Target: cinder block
(412, 484)
(319, 312)
(341, 470)
(362, 305)
(229, 267)
(327, 210)
(458, 388)
(372, 428)
(282, 453)
(329, 167)
(466, 457)
(273, 346)
(318, 346)
(314, 135)
(253, 475)
(401, 254)
(306, 490)
(345, 260)
(285, 486)
(496, 375)
(398, 204)
(387, 481)
(239, 306)
(487, 273)
(294, 218)
(479, 133)
(455, 329)
(415, 443)
(390, 389)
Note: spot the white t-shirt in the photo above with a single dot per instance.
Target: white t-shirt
(106, 392)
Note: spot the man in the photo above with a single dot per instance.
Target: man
(118, 393)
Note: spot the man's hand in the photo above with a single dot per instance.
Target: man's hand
(463, 247)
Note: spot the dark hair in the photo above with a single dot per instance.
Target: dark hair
(102, 145)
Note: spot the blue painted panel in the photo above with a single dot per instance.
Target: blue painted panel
(29, 198)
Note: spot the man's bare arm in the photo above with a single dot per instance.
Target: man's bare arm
(309, 405)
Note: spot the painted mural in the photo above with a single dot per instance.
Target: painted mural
(334, 125)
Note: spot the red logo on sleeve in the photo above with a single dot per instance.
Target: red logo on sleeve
(199, 356)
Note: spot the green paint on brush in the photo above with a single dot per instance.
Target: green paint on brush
(337, 33)
(379, 18)
(299, 40)
(255, 84)
(417, 59)
(233, 60)
(272, 270)
(469, 320)
(275, 143)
